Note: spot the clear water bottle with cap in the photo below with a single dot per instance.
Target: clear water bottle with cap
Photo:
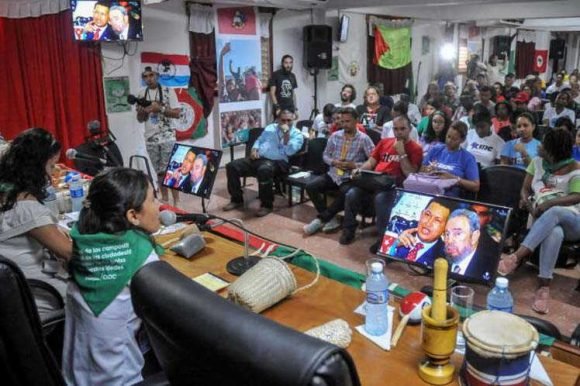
(500, 298)
(377, 287)
(77, 193)
(50, 200)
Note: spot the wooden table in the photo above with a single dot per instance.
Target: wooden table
(329, 300)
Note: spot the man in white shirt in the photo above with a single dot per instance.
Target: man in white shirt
(558, 84)
(552, 114)
(347, 96)
(119, 22)
(399, 108)
(461, 238)
(482, 142)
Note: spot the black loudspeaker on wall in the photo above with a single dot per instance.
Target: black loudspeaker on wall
(557, 48)
(317, 46)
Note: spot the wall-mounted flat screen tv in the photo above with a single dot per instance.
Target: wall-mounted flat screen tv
(107, 20)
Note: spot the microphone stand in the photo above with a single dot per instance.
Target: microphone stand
(238, 265)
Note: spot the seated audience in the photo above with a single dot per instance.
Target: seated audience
(485, 95)
(464, 109)
(558, 84)
(345, 151)
(371, 113)
(397, 157)
(481, 80)
(498, 94)
(566, 123)
(482, 142)
(451, 161)
(560, 109)
(471, 90)
(520, 101)
(450, 94)
(322, 121)
(554, 183)
(29, 234)
(436, 131)
(510, 90)
(112, 235)
(431, 106)
(520, 151)
(503, 116)
(412, 110)
(432, 92)
(347, 96)
(268, 159)
(535, 103)
(337, 123)
(400, 108)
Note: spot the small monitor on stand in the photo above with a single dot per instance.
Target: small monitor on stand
(468, 234)
(192, 170)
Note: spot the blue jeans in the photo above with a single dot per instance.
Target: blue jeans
(549, 231)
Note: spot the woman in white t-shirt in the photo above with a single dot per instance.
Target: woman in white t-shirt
(551, 193)
(482, 142)
(28, 229)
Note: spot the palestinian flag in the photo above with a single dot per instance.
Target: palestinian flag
(191, 124)
(392, 47)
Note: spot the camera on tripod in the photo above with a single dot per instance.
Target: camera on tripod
(132, 99)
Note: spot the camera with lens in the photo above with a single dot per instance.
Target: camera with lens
(132, 99)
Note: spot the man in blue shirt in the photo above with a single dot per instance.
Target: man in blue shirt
(269, 158)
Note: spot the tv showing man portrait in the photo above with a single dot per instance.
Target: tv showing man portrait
(192, 169)
(104, 20)
(468, 234)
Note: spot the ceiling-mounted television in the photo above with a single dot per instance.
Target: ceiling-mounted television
(107, 20)
(343, 28)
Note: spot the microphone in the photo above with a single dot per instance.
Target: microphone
(73, 154)
(168, 217)
(94, 127)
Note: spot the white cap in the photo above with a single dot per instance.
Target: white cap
(376, 267)
(501, 282)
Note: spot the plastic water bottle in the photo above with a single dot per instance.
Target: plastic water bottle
(376, 321)
(50, 200)
(500, 298)
(77, 193)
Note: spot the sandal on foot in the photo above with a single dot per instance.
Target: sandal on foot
(508, 264)
(541, 300)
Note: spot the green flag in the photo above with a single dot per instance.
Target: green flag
(392, 47)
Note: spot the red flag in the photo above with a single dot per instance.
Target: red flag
(381, 46)
(541, 61)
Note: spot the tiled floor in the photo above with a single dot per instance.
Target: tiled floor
(285, 225)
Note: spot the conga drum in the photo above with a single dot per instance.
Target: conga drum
(498, 349)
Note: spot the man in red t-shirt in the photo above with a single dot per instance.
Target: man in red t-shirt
(398, 157)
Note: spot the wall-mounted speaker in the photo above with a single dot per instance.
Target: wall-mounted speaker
(317, 46)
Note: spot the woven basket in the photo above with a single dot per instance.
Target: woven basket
(265, 284)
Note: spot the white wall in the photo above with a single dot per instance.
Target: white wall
(165, 30)
(429, 62)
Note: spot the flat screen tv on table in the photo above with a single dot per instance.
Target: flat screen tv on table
(468, 234)
(192, 169)
(107, 20)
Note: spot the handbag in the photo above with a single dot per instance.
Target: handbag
(373, 181)
(428, 183)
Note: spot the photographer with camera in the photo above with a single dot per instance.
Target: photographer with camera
(156, 105)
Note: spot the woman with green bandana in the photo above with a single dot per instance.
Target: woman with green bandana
(111, 242)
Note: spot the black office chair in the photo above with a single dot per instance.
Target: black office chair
(374, 135)
(304, 123)
(253, 135)
(202, 339)
(313, 162)
(25, 358)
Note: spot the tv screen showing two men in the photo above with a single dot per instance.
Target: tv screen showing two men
(468, 234)
(192, 169)
(107, 20)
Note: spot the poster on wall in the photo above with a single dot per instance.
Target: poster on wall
(333, 72)
(116, 91)
(236, 124)
(239, 68)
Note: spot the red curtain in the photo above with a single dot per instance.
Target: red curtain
(525, 54)
(48, 79)
(203, 68)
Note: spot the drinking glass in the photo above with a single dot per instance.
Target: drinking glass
(462, 300)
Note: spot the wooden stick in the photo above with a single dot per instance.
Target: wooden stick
(400, 328)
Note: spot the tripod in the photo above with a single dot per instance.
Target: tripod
(314, 112)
